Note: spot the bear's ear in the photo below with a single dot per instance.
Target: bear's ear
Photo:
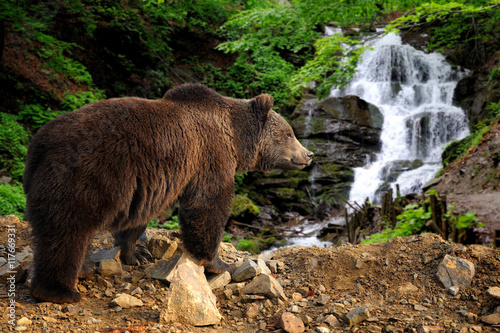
(261, 105)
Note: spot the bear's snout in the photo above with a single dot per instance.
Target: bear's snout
(309, 155)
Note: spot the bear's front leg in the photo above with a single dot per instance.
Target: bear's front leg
(202, 225)
(132, 253)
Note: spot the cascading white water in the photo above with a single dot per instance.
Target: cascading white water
(414, 92)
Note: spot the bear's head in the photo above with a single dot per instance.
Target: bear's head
(278, 146)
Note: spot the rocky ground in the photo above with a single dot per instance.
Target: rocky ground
(414, 284)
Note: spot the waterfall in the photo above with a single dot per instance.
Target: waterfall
(414, 92)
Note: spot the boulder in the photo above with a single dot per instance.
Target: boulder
(190, 299)
(453, 271)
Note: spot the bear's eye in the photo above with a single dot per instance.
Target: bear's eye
(289, 135)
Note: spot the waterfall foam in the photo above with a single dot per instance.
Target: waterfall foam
(414, 91)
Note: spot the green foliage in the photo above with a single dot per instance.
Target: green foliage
(242, 206)
(332, 57)
(13, 146)
(248, 245)
(453, 22)
(77, 100)
(12, 200)
(55, 52)
(239, 182)
(171, 224)
(36, 115)
(409, 223)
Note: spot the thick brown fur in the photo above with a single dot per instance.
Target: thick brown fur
(117, 163)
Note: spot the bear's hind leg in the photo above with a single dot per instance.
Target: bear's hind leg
(132, 253)
(57, 263)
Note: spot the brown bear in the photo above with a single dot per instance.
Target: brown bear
(117, 163)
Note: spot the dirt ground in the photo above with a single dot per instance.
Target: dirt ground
(396, 281)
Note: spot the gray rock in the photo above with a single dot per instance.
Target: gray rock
(291, 323)
(453, 271)
(100, 255)
(265, 285)
(357, 315)
(322, 299)
(163, 269)
(110, 267)
(126, 301)
(219, 280)
(246, 271)
(190, 299)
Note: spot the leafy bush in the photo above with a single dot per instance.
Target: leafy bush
(13, 146)
(36, 115)
(247, 245)
(409, 223)
(12, 200)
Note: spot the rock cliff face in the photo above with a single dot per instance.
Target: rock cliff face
(343, 133)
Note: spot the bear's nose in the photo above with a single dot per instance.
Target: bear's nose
(310, 154)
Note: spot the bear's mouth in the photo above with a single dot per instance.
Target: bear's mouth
(300, 164)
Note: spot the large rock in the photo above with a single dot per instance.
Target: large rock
(453, 271)
(190, 299)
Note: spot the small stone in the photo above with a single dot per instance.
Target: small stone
(453, 271)
(357, 315)
(332, 321)
(408, 288)
(137, 275)
(492, 319)
(297, 297)
(322, 330)
(291, 323)
(126, 301)
(136, 291)
(321, 288)
(430, 329)
(453, 290)
(265, 285)
(322, 299)
(494, 291)
(252, 310)
(264, 269)
(23, 322)
(71, 310)
(419, 307)
(228, 293)
(162, 248)
(246, 271)
(273, 266)
(235, 286)
(252, 298)
(294, 309)
(306, 319)
(359, 263)
(103, 282)
(110, 267)
(219, 281)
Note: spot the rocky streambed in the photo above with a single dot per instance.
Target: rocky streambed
(414, 284)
